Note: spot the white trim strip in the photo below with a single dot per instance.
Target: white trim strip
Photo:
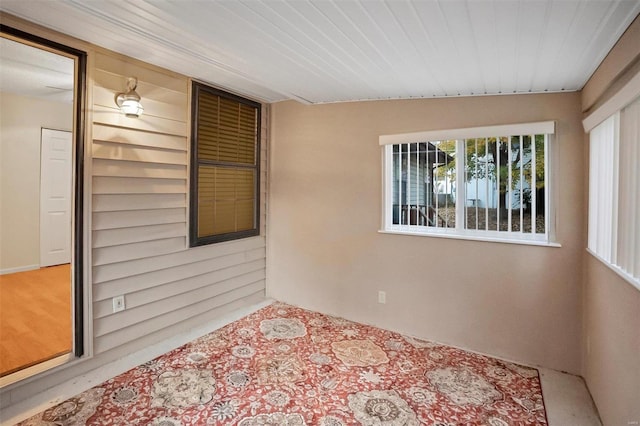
(497, 239)
(542, 127)
(19, 269)
(35, 369)
(621, 99)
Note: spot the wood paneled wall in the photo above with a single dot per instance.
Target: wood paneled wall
(139, 213)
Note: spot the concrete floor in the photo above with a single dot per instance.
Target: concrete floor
(566, 398)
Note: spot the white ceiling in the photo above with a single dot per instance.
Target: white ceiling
(329, 51)
(29, 71)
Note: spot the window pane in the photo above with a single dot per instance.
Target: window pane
(423, 184)
(441, 166)
(226, 130)
(474, 179)
(481, 184)
(501, 186)
(501, 164)
(540, 195)
(226, 200)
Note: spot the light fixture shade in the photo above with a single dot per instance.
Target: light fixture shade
(131, 108)
(129, 102)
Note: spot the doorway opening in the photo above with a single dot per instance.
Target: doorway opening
(42, 86)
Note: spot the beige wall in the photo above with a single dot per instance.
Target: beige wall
(21, 122)
(325, 253)
(612, 344)
(611, 351)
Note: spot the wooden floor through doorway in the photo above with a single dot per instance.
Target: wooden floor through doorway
(35, 317)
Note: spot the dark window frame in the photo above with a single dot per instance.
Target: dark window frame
(195, 162)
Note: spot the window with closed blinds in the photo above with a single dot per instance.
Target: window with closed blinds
(225, 163)
(628, 221)
(614, 188)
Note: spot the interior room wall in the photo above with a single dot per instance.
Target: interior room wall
(612, 344)
(325, 252)
(21, 122)
(611, 351)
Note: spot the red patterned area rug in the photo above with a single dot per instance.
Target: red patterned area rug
(287, 366)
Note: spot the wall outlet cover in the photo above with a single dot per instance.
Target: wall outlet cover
(118, 304)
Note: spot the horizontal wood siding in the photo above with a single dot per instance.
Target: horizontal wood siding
(138, 201)
(237, 299)
(197, 275)
(118, 202)
(139, 214)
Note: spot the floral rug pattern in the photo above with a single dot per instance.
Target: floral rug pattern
(283, 365)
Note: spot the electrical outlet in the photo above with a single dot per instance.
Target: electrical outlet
(118, 304)
(382, 297)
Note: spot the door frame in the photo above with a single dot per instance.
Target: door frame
(79, 125)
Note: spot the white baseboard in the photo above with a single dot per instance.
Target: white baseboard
(19, 269)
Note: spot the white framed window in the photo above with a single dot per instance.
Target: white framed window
(614, 192)
(489, 183)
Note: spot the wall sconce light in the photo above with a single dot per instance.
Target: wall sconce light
(129, 101)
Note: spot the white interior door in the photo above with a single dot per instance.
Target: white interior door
(55, 197)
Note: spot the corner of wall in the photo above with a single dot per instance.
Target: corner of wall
(610, 363)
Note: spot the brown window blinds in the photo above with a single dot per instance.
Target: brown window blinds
(225, 166)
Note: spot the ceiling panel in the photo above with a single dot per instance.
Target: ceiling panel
(330, 51)
(28, 71)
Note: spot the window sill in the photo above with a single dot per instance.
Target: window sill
(457, 236)
(622, 273)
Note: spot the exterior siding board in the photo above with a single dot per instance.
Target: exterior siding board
(113, 322)
(117, 185)
(169, 288)
(121, 66)
(135, 137)
(104, 97)
(115, 254)
(119, 202)
(139, 213)
(183, 257)
(125, 219)
(115, 237)
(111, 116)
(132, 169)
(183, 278)
(118, 151)
(252, 294)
